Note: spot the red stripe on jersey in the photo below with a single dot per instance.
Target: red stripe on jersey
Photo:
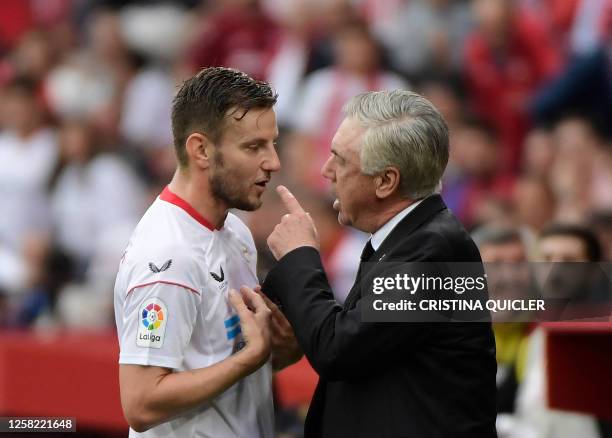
(168, 196)
(163, 282)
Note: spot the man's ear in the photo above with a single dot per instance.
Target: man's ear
(387, 183)
(199, 149)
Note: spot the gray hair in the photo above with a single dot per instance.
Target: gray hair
(404, 130)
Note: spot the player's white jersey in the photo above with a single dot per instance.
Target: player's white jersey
(172, 310)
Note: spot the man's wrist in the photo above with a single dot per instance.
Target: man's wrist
(249, 359)
(302, 246)
(276, 279)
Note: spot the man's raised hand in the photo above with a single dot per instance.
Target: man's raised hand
(296, 228)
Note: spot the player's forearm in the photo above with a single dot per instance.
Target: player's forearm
(175, 393)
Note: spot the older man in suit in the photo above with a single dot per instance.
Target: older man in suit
(379, 379)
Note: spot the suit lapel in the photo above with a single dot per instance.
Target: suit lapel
(426, 209)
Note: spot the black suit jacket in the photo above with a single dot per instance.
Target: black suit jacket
(417, 380)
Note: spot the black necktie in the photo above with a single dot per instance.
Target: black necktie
(368, 251)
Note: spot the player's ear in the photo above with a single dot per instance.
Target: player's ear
(199, 149)
(387, 182)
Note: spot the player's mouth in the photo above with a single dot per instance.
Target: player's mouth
(262, 183)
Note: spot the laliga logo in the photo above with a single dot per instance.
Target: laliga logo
(152, 318)
(152, 326)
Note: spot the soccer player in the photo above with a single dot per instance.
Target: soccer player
(194, 352)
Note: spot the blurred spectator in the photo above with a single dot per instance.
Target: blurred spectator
(329, 16)
(480, 190)
(293, 54)
(505, 256)
(83, 203)
(447, 95)
(145, 115)
(33, 56)
(356, 69)
(238, 35)
(28, 152)
(156, 31)
(584, 83)
(539, 153)
(582, 170)
(18, 17)
(573, 275)
(569, 243)
(534, 202)
(508, 58)
(88, 81)
(377, 13)
(500, 244)
(426, 36)
(592, 26)
(49, 270)
(16, 20)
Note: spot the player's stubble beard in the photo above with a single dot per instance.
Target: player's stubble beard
(227, 189)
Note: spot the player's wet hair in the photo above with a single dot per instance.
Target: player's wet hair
(205, 100)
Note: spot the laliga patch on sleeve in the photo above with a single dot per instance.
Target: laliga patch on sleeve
(153, 317)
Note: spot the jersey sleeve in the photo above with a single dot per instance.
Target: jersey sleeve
(159, 312)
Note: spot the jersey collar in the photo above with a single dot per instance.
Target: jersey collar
(168, 196)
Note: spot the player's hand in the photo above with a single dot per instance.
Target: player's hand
(296, 228)
(254, 317)
(285, 348)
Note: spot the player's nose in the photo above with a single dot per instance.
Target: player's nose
(272, 162)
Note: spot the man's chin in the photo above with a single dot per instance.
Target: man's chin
(251, 204)
(343, 220)
(247, 207)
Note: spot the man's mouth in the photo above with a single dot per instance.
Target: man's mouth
(262, 183)
(336, 205)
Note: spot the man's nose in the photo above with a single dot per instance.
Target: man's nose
(272, 162)
(326, 170)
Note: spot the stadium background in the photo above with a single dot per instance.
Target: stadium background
(85, 145)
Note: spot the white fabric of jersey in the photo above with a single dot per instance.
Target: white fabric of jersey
(171, 311)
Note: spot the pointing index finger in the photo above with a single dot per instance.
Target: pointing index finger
(292, 204)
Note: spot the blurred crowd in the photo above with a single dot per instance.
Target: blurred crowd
(85, 142)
